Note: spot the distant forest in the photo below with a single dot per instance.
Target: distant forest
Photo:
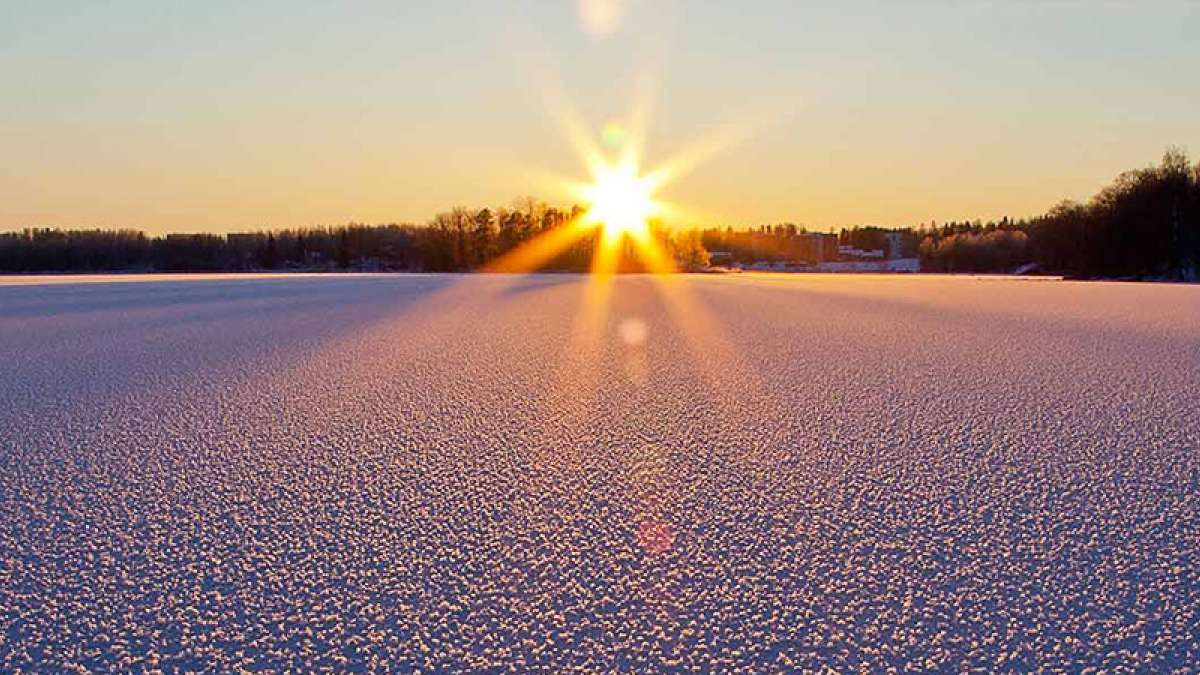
(456, 241)
(1146, 224)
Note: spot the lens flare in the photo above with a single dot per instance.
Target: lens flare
(615, 135)
(601, 17)
(633, 332)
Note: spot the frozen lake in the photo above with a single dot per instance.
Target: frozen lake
(717, 472)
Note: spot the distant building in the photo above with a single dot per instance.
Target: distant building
(895, 244)
(816, 247)
(877, 265)
(850, 253)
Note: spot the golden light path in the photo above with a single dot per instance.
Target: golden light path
(621, 204)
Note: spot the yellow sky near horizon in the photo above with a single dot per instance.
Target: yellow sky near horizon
(231, 117)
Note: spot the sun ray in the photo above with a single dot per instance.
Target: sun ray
(576, 132)
(532, 255)
(701, 150)
(727, 376)
(652, 255)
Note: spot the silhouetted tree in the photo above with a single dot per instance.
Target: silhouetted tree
(270, 257)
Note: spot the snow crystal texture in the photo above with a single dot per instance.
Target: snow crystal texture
(734, 473)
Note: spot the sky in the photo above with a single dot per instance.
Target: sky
(223, 116)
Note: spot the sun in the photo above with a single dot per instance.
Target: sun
(620, 201)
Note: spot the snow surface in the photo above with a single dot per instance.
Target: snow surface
(740, 472)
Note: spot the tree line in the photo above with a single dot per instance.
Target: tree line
(788, 242)
(455, 241)
(1145, 224)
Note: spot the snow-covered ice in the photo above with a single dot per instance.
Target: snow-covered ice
(743, 472)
